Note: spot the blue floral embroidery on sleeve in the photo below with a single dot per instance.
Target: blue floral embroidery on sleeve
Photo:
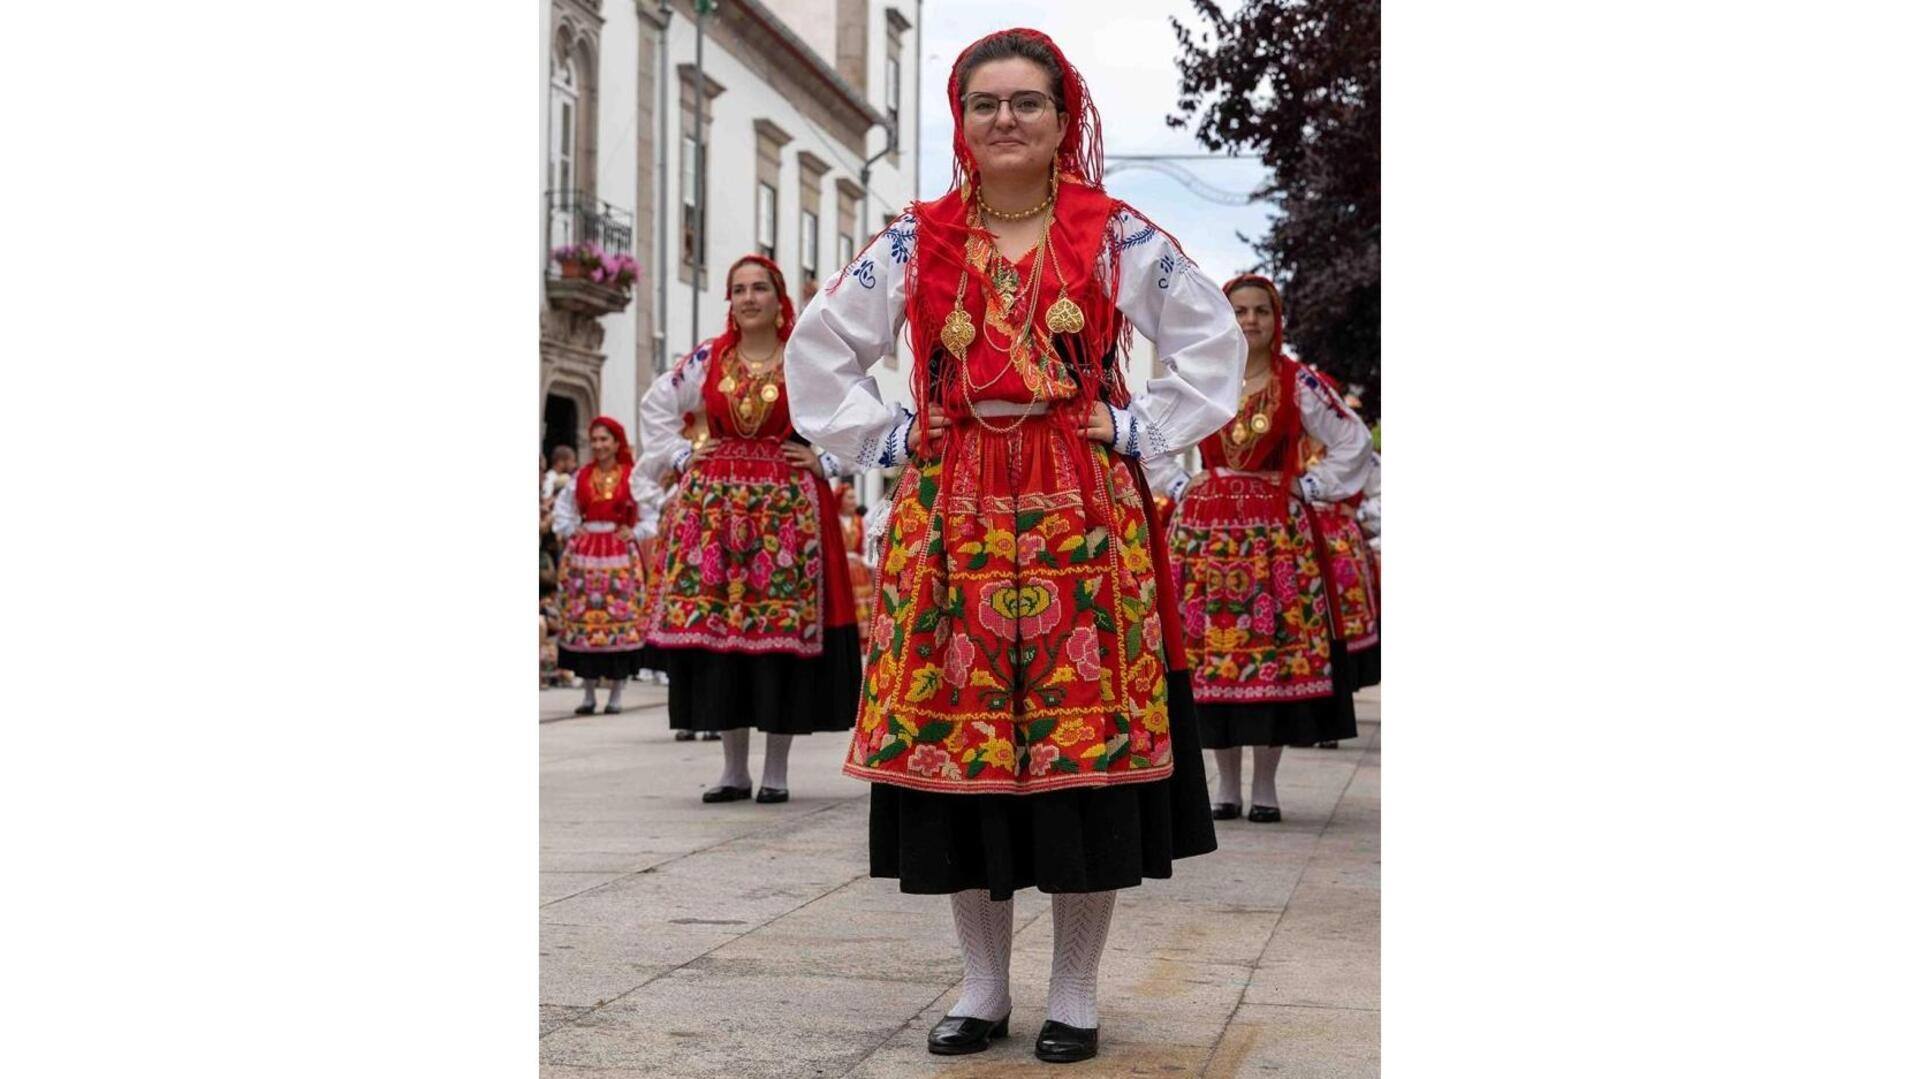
(1166, 269)
(899, 235)
(862, 272)
(1138, 238)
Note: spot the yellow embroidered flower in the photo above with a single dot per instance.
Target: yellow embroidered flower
(1225, 638)
(884, 673)
(896, 558)
(1156, 717)
(1136, 558)
(1060, 674)
(998, 753)
(1053, 525)
(983, 679)
(1072, 732)
(1000, 543)
(1299, 667)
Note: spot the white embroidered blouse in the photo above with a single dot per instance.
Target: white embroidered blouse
(857, 317)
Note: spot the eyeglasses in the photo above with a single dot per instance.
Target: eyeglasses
(1028, 106)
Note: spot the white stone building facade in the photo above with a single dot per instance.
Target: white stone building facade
(797, 100)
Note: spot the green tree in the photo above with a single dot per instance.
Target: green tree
(1298, 82)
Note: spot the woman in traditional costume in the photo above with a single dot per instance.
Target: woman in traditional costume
(1355, 591)
(1270, 668)
(752, 617)
(602, 573)
(1021, 720)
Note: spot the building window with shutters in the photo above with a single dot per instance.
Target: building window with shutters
(809, 247)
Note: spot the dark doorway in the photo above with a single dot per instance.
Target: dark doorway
(559, 424)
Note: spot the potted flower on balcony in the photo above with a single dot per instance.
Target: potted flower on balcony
(579, 260)
(619, 271)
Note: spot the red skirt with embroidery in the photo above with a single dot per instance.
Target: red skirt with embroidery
(747, 565)
(1253, 603)
(602, 604)
(1017, 636)
(752, 613)
(1356, 592)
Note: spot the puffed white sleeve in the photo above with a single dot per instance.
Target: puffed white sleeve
(1348, 457)
(1166, 475)
(844, 331)
(663, 410)
(566, 513)
(1192, 326)
(646, 495)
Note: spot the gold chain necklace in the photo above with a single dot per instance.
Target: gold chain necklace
(605, 482)
(1246, 429)
(750, 409)
(1053, 190)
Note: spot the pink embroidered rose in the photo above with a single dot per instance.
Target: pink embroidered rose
(1196, 618)
(760, 570)
(1034, 608)
(789, 536)
(711, 571)
(883, 631)
(1263, 607)
(740, 534)
(1083, 648)
(689, 531)
(1041, 757)
(1150, 632)
(928, 760)
(785, 561)
(1345, 573)
(1285, 588)
(961, 652)
(1029, 546)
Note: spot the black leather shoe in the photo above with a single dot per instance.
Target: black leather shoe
(1226, 811)
(1061, 1044)
(726, 794)
(1263, 814)
(611, 710)
(683, 736)
(959, 1034)
(1326, 745)
(583, 710)
(771, 794)
(709, 736)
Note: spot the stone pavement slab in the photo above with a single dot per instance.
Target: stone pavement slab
(746, 940)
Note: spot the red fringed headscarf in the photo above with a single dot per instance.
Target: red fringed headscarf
(1082, 153)
(1285, 373)
(625, 511)
(625, 453)
(783, 326)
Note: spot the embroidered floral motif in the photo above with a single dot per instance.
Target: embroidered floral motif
(744, 573)
(1257, 619)
(1014, 645)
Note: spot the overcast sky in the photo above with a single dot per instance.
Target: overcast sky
(1125, 50)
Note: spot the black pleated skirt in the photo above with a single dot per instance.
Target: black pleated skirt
(1366, 667)
(775, 694)
(1287, 723)
(618, 665)
(1081, 839)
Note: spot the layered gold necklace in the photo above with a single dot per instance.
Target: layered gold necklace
(760, 386)
(1250, 421)
(605, 481)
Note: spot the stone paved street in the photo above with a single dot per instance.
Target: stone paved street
(681, 939)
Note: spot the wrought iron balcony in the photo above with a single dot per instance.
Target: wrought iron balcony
(577, 217)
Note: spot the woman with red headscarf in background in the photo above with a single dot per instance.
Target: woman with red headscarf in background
(752, 617)
(1022, 721)
(853, 533)
(1270, 668)
(602, 573)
